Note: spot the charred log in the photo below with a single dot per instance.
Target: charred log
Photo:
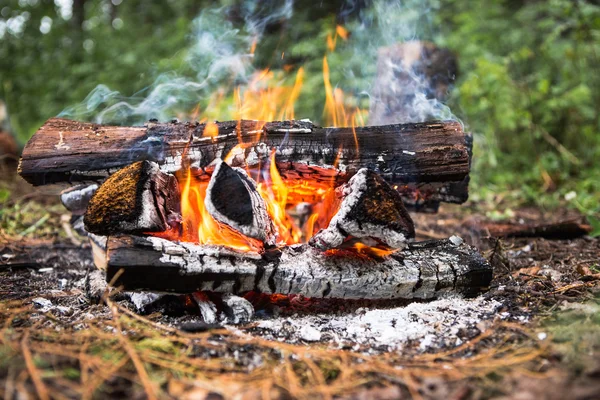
(423, 270)
(371, 209)
(427, 161)
(232, 199)
(138, 198)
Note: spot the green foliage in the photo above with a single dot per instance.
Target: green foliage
(575, 331)
(529, 91)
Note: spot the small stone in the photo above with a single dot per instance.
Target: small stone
(42, 304)
(542, 335)
(455, 240)
(143, 299)
(310, 334)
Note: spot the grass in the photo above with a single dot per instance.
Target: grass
(121, 352)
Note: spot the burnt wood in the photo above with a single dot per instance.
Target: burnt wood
(429, 162)
(370, 209)
(138, 198)
(423, 270)
(565, 229)
(232, 198)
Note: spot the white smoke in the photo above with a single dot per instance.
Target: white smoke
(220, 58)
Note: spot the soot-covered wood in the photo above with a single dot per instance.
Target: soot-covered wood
(138, 198)
(232, 198)
(423, 270)
(428, 161)
(370, 209)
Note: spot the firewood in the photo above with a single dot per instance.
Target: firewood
(138, 198)
(565, 229)
(427, 161)
(371, 209)
(232, 199)
(423, 270)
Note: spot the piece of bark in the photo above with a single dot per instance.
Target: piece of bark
(423, 270)
(138, 198)
(566, 229)
(233, 199)
(428, 158)
(370, 209)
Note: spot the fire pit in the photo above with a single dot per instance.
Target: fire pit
(264, 207)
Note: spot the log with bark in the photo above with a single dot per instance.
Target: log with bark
(423, 270)
(427, 161)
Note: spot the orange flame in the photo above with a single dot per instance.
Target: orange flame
(200, 227)
(298, 207)
(211, 130)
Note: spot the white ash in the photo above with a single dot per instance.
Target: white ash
(143, 299)
(431, 325)
(237, 309)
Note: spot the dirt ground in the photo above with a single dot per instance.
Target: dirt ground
(59, 340)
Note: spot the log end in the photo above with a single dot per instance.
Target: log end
(138, 198)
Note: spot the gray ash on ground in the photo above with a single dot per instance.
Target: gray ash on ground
(442, 323)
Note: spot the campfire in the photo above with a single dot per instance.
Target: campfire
(255, 205)
(286, 208)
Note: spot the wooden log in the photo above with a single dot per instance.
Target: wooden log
(425, 158)
(233, 199)
(423, 270)
(138, 198)
(565, 229)
(44, 254)
(371, 209)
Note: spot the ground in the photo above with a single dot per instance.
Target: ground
(534, 334)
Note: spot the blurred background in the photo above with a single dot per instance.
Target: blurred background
(528, 85)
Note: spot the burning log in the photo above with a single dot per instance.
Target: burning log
(427, 161)
(138, 198)
(371, 209)
(232, 199)
(423, 270)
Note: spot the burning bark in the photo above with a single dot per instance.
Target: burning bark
(422, 271)
(233, 199)
(427, 161)
(138, 198)
(371, 209)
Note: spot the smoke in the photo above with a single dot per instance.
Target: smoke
(409, 76)
(370, 64)
(219, 56)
